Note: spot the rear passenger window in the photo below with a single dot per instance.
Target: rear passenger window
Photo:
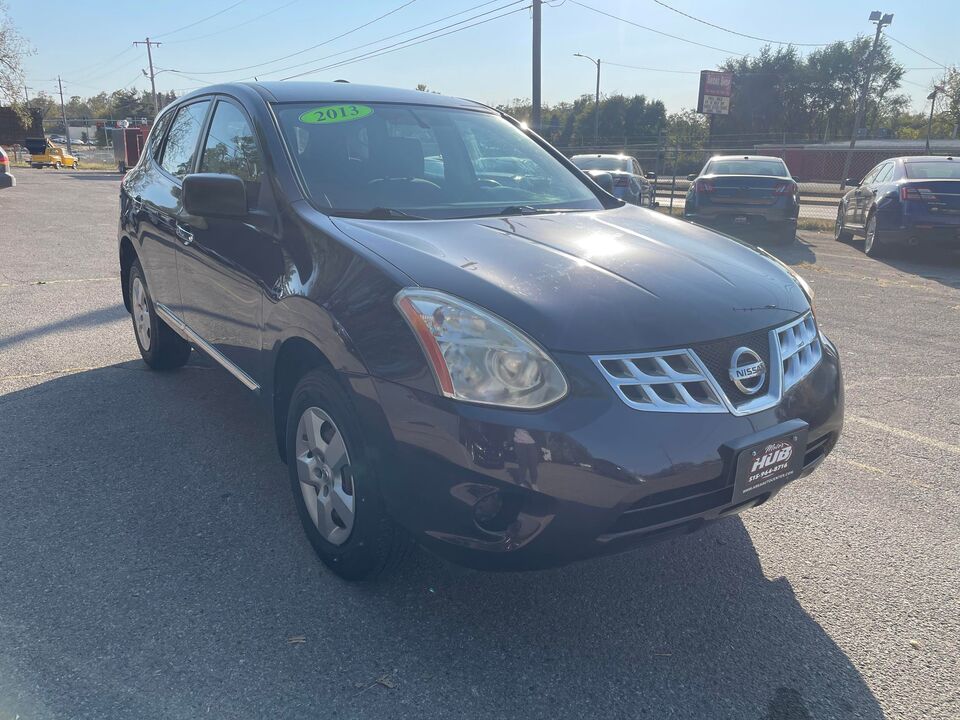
(885, 172)
(231, 147)
(181, 145)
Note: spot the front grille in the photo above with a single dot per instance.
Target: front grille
(716, 356)
(800, 349)
(697, 379)
(670, 381)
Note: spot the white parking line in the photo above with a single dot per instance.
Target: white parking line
(906, 434)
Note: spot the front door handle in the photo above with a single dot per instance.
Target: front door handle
(184, 234)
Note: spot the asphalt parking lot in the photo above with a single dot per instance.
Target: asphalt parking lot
(152, 564)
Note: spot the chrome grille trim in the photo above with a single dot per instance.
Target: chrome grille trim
(679, 381)
(799, 349)
(668, 381)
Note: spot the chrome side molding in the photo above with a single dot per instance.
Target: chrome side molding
(188, 334)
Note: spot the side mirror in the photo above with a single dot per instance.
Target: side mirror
(651, 176)
(692, 176)
(603, 179)
(851, 182)
(214, 195)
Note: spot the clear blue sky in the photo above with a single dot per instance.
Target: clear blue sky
(89, 44)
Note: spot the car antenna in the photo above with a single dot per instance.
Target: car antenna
(343, 81)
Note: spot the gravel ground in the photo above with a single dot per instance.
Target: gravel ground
(152, 565)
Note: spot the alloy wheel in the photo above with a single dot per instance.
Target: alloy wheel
(141, 313)
(871, 239)
(325, 474)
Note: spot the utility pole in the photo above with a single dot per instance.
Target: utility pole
(882, 20)
(596, 104)
(535, 110)
(26, 95)
(153, 87)
(63, 115)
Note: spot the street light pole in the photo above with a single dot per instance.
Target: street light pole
(932, 97)
(882, 20)
(535, 110)
(63, 116)
(596, 105)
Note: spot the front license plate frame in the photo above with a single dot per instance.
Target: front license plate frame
(767, 448)
(768, 465)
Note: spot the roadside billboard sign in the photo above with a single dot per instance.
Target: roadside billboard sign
(715, 90)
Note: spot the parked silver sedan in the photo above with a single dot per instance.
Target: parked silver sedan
(630, 183)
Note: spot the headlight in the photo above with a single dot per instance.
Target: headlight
(478, 357)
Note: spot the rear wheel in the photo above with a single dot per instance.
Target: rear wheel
(57, 165)
(160, 347)
(335, 485)
(873, 244)
(840, 232)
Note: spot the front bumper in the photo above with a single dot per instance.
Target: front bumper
(603, 478)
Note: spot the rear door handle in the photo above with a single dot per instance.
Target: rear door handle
(184, 234)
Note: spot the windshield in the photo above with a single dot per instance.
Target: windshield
(396, 161)
(592, 162)
(773, 168)
(933, 170)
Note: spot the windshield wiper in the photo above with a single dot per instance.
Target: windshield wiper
(511, 210)
(378, 213)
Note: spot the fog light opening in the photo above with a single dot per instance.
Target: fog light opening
(496, 511)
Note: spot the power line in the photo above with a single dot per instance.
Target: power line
(234, 27)
(734, 32)
(405, 32)
(926, 57)
(201, 20)
(653, 30)
(637, 67)
(300, 52)
(387, 51)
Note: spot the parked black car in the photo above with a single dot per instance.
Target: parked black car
(734, 191)
(902, 202)
(515, 376)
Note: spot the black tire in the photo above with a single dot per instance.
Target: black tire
(57, 165)
(840, 232)
(163, 349)
(76, 165)
(375, 543)
(873, 242)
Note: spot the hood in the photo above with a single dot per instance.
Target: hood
(615, 280)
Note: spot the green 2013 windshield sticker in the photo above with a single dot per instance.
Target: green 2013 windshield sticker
(329, 114)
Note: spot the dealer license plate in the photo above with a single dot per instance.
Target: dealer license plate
(768, 465)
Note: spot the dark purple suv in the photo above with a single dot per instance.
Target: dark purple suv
(515, 374)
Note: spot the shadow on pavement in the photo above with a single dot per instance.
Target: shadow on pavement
(152, 565)
(86, 319)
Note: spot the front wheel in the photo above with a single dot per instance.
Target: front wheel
(160, 347)
(336, 486)
(873, 244)
(76, 164)
(840, 232)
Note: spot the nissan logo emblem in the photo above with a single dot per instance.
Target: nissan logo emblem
(747, 370)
